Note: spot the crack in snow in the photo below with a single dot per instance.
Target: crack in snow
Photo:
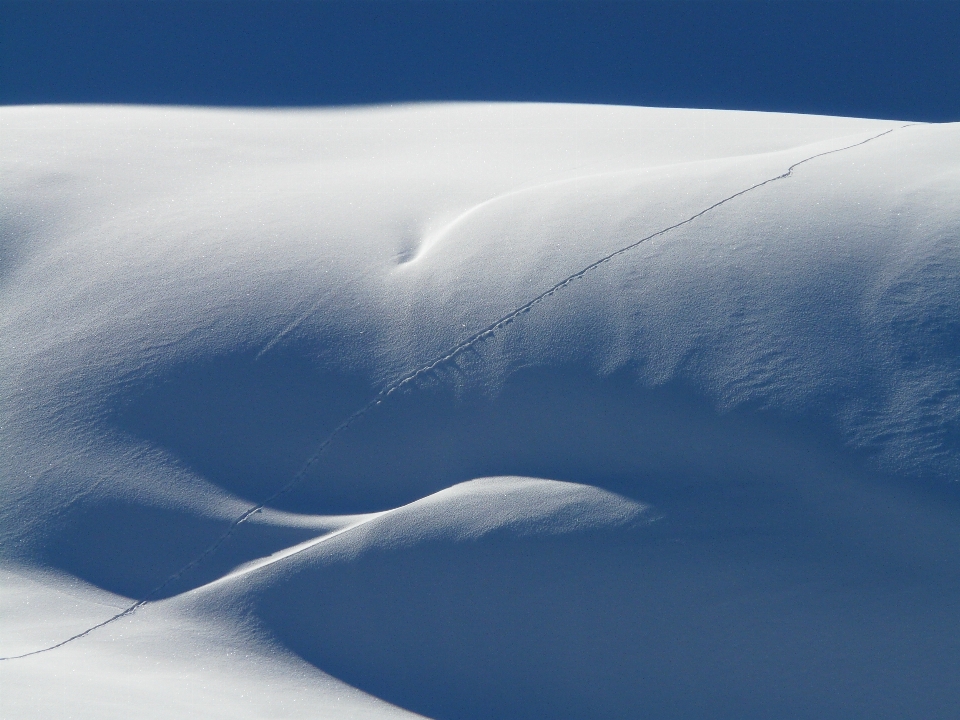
(449, 355)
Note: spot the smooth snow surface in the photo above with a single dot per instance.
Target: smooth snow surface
(478, 411)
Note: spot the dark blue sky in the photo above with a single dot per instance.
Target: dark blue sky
(872, 59)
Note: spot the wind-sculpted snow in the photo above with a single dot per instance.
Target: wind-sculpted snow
(479, 410)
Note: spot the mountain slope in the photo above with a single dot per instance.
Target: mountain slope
(512, 410)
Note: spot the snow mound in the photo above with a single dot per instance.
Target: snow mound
(478, 411)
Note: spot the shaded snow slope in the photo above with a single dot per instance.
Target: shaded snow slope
(479, 411)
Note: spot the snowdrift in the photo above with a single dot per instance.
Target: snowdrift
(475, 411)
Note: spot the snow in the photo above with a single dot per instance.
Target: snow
(478, 410)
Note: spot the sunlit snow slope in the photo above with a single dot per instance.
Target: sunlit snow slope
(478, 411)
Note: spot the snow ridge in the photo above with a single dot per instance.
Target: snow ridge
(412, 376)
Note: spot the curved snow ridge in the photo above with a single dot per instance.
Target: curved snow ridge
(603, 196)
(509, 505)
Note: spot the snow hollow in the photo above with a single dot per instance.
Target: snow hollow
(478, 411)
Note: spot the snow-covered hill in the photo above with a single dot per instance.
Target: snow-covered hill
(478, 411)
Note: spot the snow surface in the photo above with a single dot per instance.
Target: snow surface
(474, 411)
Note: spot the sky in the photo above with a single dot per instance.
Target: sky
(879, 59)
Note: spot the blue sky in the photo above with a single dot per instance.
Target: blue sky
(882, 59)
